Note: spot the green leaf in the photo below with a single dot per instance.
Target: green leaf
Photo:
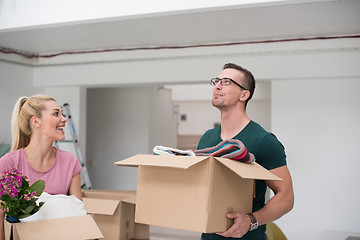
(24, 216)
(24, 183)
(41, 204)
(29, 209)
(38, 187)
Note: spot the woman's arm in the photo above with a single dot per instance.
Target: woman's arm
(75, 186)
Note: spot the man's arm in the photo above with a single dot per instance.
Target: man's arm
(281, 203)
(283, 200)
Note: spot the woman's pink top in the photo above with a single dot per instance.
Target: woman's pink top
(57, 178)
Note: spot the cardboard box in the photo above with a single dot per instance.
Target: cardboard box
(141, 232)
(114, 212)
(71, 228)
(193, 193)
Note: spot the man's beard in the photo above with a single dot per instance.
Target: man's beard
(217, 104)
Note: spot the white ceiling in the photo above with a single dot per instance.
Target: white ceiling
(245, 23)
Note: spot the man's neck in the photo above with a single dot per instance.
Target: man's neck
(233, 122)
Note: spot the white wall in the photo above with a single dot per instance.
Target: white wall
(200, 116)
(162, 119)
(318, 123)
(15, 81)
(260, 112)
(290, 60)
(118, 126)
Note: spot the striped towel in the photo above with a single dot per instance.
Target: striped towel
(232, 148)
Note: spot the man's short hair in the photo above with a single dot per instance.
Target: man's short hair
(249, 78)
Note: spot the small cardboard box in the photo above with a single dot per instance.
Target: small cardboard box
(141, 232)
(193, 193)
(71, 228)
(114, 212)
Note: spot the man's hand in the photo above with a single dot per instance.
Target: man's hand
(240, 227)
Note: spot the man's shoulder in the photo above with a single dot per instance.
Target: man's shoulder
(257, 128)
(253, 133)
(268, 150)
(256, 136)
(263, 135)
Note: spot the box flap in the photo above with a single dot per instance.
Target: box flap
(161, 161)
(248, 170)
(131, 199)
(100, 206)
(106, 193)
(81, 227)
(7, 229)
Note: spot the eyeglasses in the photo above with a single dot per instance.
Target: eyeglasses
(224, 82)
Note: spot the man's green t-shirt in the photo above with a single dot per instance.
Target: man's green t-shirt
(268, 152)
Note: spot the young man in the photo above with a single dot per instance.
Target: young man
(233, 88)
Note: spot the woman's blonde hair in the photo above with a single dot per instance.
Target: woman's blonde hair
(25, 108)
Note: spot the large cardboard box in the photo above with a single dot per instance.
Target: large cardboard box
(70, 228)
(114, 212)
(193, 193)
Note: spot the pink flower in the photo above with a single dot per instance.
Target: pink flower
(16, 197)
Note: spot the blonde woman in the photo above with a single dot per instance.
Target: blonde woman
(36, 123)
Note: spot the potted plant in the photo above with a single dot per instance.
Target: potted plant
(18, 197)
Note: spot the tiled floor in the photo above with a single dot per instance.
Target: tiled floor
(162, 233)
(172, 237)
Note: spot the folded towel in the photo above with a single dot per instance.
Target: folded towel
(161, 150)
(232, 148)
